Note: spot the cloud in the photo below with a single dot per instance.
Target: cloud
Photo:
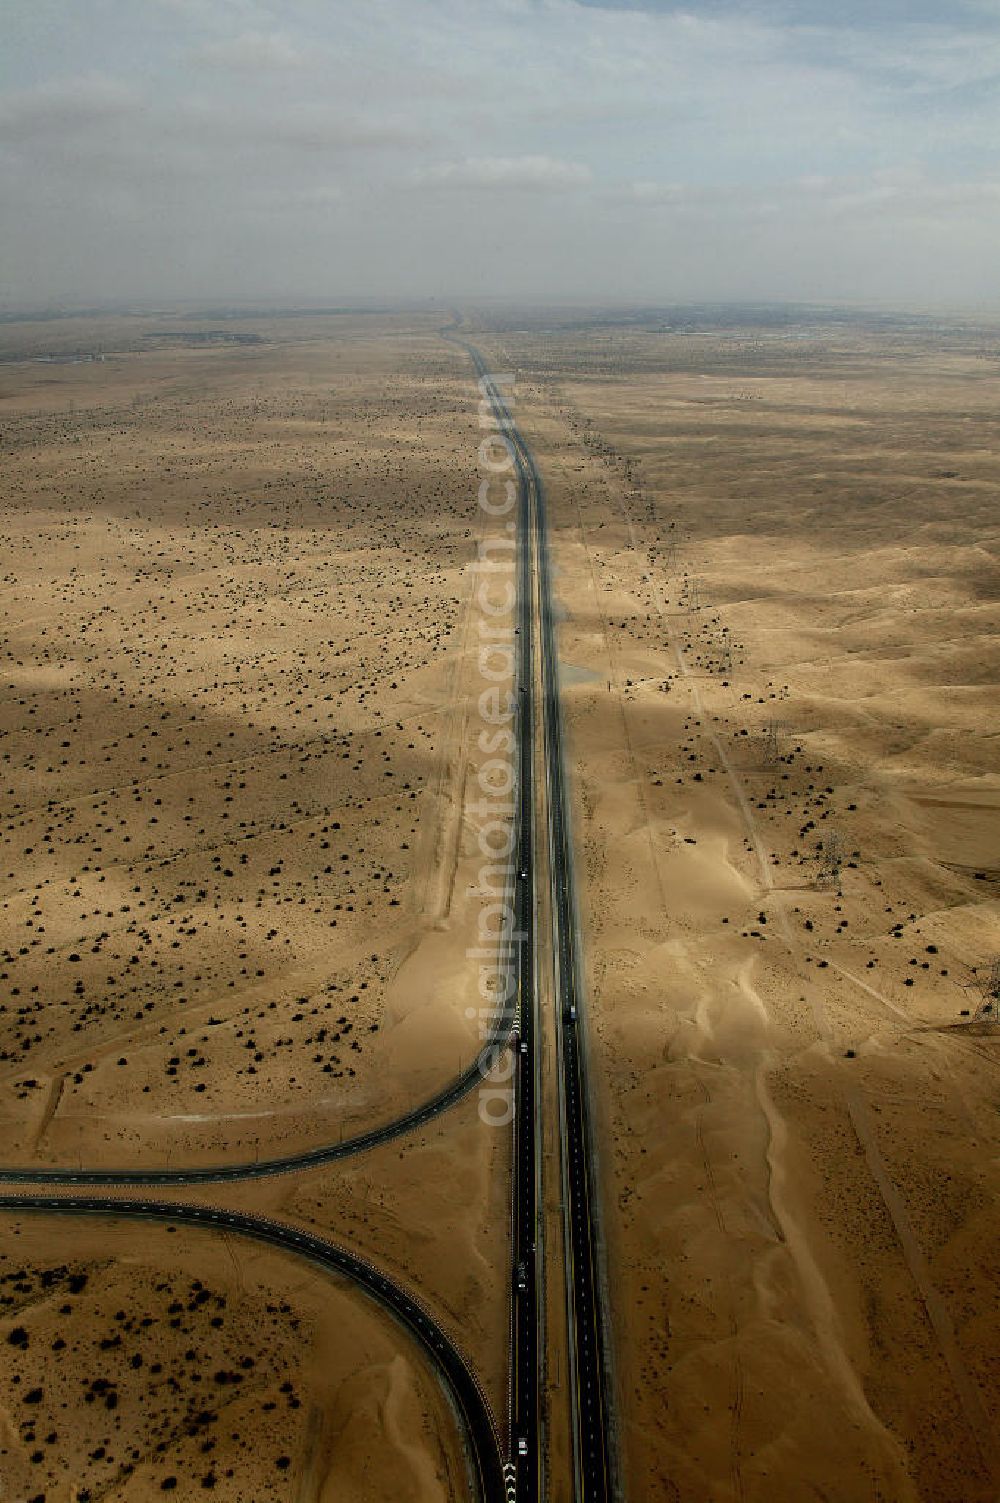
(318, 128)
(103, 132)
(929, 57)
(644, 192)
(252, 51)
(65, 105)
(317, 196)
(531, 173)
(739, 147)
(898, 194)
(910, 195)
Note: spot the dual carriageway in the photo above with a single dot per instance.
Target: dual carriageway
(505, 1467)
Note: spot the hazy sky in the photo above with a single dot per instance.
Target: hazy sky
(799, 149)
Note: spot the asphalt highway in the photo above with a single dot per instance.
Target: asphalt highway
(521, 1476)
(592, 1455)
(526, 1335)
(588, 1359)
(515, 1020)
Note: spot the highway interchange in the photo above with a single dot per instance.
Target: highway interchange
(520, 1473)
(310, 1158)
(452, 1368)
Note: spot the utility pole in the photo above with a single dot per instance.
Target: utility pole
(831, 858)
(770, 751)
(988, 986)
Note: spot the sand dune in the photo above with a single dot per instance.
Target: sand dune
(779, 561)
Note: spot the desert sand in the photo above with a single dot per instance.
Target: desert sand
(157, 1362)
(239, 871)
(235, 605)
(778, 563)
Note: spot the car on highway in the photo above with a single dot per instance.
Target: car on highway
(521, 1279)
(522, 1445)
(570, 1013)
